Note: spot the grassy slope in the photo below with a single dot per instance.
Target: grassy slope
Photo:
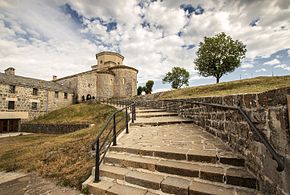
(255, 85)
(65, 158)
(78, 113)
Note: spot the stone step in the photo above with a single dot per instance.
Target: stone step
(149, 110)
(157, 121)
(155, 114)
(208, 156)
(111, 188)
(223, 174)
(169, 184)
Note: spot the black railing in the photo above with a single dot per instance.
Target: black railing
(276, 156)
(102, 149)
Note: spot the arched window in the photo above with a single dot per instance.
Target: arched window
(123, 81)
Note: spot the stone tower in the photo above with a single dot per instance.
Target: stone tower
(109, 78)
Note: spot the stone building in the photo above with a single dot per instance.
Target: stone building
(109, 78)
(23, 98)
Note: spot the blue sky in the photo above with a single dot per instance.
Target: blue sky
(60, 37)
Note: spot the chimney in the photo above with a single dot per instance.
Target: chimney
(54, 77)
(10, 71)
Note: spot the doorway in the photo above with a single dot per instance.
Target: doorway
(9, 125)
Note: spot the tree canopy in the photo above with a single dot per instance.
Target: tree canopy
(149, 86)
(219, 55)
(178, 77)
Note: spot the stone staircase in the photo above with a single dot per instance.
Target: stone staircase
(164, 154)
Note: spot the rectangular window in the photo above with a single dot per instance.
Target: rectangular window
(65, 95)
(56, 94)
(12, 89)
(35, 91)
(11, 105)
(34, 106)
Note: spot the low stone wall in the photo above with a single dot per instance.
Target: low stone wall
(268, 111)
(52, 128)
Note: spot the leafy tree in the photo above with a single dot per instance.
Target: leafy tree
(139, 90)
(149, 86)
(219, 55)
(177, 77)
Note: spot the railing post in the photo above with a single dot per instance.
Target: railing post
(127, 128)
(134, 106)
(132, 111)
(115, 136)
(97, 168)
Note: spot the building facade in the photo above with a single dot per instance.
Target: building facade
(109, 78)
(23, 98)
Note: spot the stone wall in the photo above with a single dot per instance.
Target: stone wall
(71, 82)
(269, 113)
(52, 128)
(105, 85)
(24, 98)
(104, 57)
(125, 82)
(87, 85)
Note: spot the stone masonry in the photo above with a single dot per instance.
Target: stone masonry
(109, 78)
(269, 113)
(25, 98)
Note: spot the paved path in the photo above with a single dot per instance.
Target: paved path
(164, 154)
(13, 134)
(12, 183)
(175, 136)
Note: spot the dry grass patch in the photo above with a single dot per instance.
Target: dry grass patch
(255, 85)
(68, 158)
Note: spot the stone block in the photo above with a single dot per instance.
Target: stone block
(178, 168)
(202, 156)
(147, 180)
(113, 172)
(118, 189)
(200, 188)
(273, 98)
(278, 124)
(240, 178)
(250, 101)
(211, 173)
(173, 185)
(100, 187)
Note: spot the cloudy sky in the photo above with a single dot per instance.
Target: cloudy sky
(61, 37)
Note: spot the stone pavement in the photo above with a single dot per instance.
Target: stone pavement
(12, 183)
(187, 137)
(167, 154)
(13, 134)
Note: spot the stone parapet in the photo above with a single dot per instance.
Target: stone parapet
(268, 111)
(52, 128)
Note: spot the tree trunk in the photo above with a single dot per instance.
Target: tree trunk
(217, 79)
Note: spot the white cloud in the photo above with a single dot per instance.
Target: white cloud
(272, 62)
(246, 65)
(261, 70)
(283, 66)
(49, 41)
(161, 89)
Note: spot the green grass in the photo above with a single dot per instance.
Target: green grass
(66, 158)
(78, 113)
(255, 85)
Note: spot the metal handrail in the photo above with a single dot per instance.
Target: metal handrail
(96, 144)
(275, 155)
